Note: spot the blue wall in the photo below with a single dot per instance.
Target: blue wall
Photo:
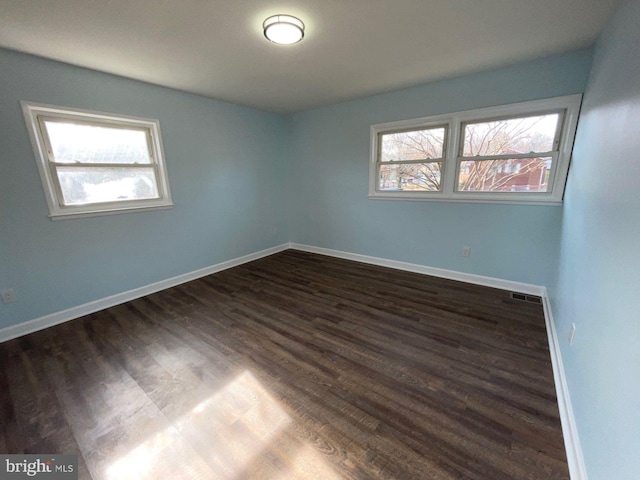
(245, 180)
(328, 179)
(599, 273)
(225, 169)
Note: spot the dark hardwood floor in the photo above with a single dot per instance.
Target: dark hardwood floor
(295, 366)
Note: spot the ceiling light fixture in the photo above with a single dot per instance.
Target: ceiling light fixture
(283, 29)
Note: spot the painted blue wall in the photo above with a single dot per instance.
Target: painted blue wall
(328, 180)
(225, 169)
(599, 273)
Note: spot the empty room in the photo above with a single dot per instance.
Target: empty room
(320, 240)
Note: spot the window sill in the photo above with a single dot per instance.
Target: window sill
(101, 213)
(475, 199)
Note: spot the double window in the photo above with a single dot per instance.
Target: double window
(95, 163)
(515, 153)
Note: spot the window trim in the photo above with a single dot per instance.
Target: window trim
(36, 113)
(569, 104)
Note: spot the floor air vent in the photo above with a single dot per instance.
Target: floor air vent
(526, 298)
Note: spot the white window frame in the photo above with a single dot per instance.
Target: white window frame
(34, 113)
(568, 105)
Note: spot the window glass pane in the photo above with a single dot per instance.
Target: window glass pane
(72, 142)
(96, 185)
(514, 175)
(412, 145)
(511, 136)
(410, 177)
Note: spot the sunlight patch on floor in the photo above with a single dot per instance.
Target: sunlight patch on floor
(223, 438)
(309, 465)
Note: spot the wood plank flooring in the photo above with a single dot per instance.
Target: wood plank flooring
(295, 366)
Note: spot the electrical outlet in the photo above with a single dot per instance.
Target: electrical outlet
(572, 333)
(466, 251)
(9, 295)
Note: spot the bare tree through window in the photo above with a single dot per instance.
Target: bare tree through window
(412, 160)
(528, 139)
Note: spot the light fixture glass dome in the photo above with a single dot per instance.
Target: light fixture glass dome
(283, 29)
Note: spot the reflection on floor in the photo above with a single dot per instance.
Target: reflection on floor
(234, 426)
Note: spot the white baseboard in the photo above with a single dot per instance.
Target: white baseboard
(52, 319)
(575, 459)
(433, 271)
(56, 318)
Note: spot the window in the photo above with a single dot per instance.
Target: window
(411, 160)
(96, 163)
(515, 153)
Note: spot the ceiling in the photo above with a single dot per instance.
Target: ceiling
(352, 48)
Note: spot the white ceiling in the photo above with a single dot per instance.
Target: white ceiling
(352, 48)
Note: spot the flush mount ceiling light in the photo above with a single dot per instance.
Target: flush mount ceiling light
(283, 29)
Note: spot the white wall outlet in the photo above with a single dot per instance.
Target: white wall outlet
(466, 251)
(8, 295)
(572, 333)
